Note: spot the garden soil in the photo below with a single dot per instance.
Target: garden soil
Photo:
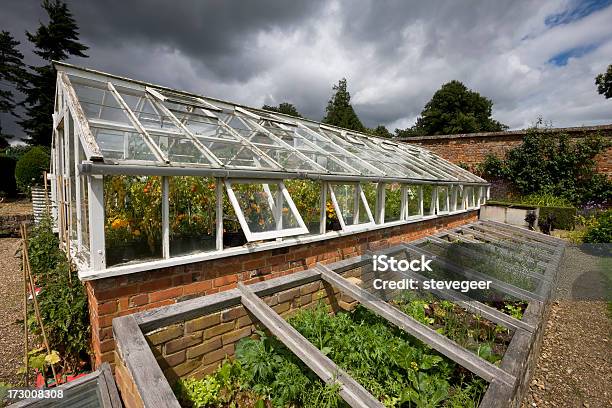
(575, 364)
(11, 312)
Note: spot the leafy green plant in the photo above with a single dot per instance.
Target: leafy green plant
(601, 232)
(62, 299)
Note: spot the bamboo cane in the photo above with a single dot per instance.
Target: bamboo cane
(26, 380)
(46, 194)
(33, 291)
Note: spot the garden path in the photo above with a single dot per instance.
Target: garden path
(575, 364)
(11, 312)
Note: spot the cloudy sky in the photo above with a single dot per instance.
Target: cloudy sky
(532, 58)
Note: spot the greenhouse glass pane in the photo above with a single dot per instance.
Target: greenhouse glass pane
(132, 224)
(393, 202)
(235, 154)
(429, 206)
(469, 193)
(179, 149)
(307, 197)
(350, 204)
(442, 199)
(192, 209)
(460, 198)
(99, 103)
(413, 193)
(288, 160)
(122, 145)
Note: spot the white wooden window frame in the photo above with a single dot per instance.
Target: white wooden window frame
(359, 195)
(276, 207)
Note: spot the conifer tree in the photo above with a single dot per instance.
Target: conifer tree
(55, 41)
(340, 112)
(12, 72)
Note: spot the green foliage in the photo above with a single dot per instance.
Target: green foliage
(550, 164)
(57, 40)
(492, 168)
(340, 112)
(562, 217)
(62, 299)
(386, 361)
(601, 232)
(8, 185)
(283, 107)
(604, 83)
(545, 200)
(454, 109)
(380, 131)
(30, 167)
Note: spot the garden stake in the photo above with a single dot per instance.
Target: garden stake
(25, 316)
(33, 291)
(46, 194)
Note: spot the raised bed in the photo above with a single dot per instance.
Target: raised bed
(192, 338)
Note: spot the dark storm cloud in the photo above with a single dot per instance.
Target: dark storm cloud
(395, 54)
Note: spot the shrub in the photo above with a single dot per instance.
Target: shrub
(30, 167)
(492, 168)
(8, 186)
(561, 217)
(601, 232)
(62, 299)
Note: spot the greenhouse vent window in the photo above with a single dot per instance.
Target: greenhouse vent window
(145, 177)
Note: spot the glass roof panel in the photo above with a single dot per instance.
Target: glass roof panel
(237, 155)
(179, 149)
(240, 137)
(122, 145)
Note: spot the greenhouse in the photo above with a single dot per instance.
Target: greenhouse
(146, 177)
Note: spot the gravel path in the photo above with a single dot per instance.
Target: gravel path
(11, 312)
(575, 364)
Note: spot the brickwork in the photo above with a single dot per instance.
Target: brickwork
(122, 295)
(196, 347)
(125, 384)
(472, 148)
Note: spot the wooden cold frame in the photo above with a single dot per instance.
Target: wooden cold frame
(503, 380)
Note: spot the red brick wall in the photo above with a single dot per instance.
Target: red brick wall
(472, 148)
(118, 296)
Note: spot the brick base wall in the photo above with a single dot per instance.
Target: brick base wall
(472, 149)
(122, 295)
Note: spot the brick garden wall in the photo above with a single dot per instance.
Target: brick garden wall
(122, 295)
(472, 148)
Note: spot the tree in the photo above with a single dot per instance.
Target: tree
(380, 131)
(455, 109)
(57, 40)
(604, 83)
(339, 111)
(12, 71)
(284, 107)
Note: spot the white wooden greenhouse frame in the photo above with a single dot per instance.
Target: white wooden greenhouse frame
(108, 125)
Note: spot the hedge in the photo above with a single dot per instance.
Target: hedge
(563, 217)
